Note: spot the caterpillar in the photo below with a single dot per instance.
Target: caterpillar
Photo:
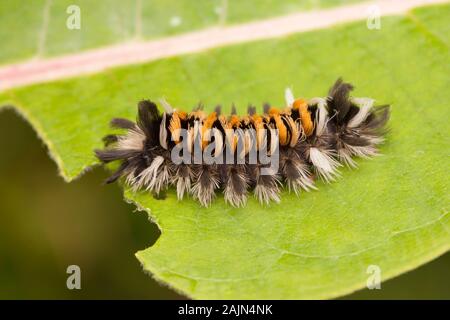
(200, 154)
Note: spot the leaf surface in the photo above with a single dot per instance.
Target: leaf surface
(40, 26)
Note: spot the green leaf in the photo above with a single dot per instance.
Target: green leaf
(391, 212)
(116, 21)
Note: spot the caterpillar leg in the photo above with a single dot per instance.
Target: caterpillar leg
(236, 184)
(206, 183)
(154, 178)
(295, 171)
(182, 177)
(266, 188)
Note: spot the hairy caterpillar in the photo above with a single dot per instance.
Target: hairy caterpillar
(200, 154)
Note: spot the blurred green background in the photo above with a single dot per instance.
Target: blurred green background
(47, 225)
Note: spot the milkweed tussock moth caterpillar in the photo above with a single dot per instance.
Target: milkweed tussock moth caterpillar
(200, 154)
